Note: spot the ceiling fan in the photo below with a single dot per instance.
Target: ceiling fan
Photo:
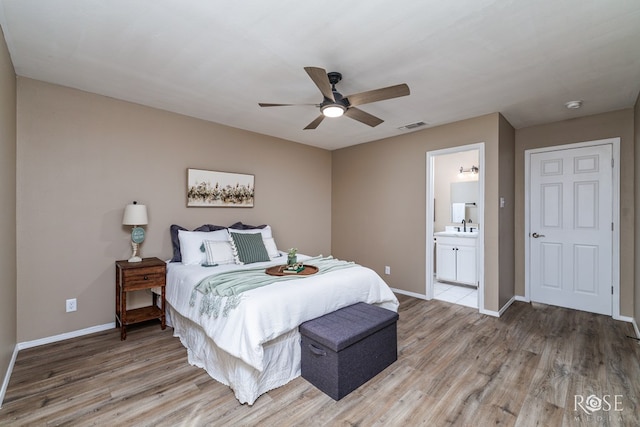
(335, 105)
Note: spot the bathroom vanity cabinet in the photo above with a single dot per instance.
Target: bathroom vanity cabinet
(456, 258)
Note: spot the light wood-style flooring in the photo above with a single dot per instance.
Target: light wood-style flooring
(455, 367)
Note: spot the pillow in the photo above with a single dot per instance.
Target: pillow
(212, 227)
(218, 253)
(250, 247)
(265, 231)
(271, 247)
(191, 242)
(175, 243)
(240, 226)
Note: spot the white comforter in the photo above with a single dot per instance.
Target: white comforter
(270, 311)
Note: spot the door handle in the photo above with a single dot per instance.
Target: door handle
(536, 235)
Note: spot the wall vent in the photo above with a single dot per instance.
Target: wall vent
(412, 125)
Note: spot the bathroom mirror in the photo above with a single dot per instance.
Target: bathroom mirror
(464, 192)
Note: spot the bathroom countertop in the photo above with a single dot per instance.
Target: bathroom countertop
(471, 234)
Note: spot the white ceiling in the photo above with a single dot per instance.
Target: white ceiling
(216, 60)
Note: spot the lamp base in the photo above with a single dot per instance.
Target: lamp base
(134, 255)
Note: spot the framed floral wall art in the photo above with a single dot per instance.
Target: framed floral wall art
(219, 189)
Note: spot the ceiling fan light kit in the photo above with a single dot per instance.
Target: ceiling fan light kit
(333, 110)
(336, 105)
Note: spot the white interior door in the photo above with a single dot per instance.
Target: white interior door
(571, 237)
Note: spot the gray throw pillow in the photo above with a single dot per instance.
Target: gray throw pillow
(250, 247)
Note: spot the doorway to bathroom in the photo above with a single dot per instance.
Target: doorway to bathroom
(454, 219)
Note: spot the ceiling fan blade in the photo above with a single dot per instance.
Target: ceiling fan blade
(266, 104)
(378, 94)
(361, 116)
(319, 77)
(314, 124)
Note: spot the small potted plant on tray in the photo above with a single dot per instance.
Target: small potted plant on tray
(292, 256)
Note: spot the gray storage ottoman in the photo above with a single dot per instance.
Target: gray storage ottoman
(344, 349)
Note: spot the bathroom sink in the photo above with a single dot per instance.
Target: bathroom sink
(452, 231)
(456, 234)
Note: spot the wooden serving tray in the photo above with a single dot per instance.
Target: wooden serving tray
(277, 270)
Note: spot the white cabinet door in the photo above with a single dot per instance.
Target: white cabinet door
(445, 262)
(456, 260)
(466, 265)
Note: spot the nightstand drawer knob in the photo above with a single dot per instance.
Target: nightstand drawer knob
(146, 277)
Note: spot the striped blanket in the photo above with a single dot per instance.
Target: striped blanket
(227, 287)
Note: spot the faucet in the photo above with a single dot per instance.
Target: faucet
(464, 225)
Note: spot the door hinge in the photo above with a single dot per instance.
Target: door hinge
(611, 162)
(611, 226)
(612, 290)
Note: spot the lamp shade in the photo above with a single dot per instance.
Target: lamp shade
(135, 214)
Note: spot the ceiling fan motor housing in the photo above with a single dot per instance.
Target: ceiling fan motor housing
(334, 77)
(339, 99)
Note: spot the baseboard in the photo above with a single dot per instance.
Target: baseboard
(489, 312)
(623, 318)
(66, 336)
(7, 376)
(482, 311)
(410, 294)
(521, 298)
(630, 320)
(507, 305)
(502, 310)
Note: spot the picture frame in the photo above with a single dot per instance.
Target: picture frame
(219, 189)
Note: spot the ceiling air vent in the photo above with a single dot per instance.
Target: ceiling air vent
(412, 125)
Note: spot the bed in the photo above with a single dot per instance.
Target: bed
(249, 339)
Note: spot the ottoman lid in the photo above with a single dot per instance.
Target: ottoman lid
(347, 325)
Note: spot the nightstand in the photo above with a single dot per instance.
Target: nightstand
(135, 276)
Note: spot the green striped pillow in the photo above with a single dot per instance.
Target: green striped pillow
(250, 247)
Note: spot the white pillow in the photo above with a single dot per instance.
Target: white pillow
(266, 231)
(272, 248)
(191, 243)
(218, 253)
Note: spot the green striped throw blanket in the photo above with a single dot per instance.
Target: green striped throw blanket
(228, 286)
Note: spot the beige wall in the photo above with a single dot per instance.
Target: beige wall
(82, 157)
(379, 196)
(636, 126)
(600, 126)
(506, 216)
(7, 209)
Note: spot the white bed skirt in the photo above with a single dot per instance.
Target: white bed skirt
(281, 360)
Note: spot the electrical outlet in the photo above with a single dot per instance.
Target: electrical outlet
(72, 305)
(387, 269)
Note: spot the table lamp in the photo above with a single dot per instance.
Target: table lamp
(136, 215)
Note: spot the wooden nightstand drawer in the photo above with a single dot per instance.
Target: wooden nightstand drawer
(146, 278)
(135, 276)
